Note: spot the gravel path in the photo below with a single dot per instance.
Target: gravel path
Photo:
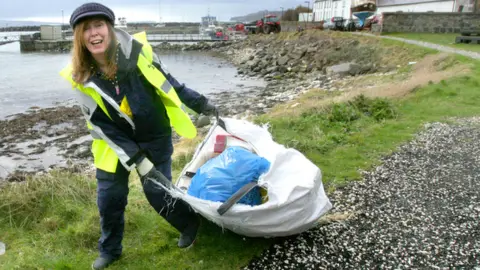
(419, 210)
(441, 48)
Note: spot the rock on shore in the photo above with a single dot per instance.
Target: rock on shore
(290, 65)
(41, 139)
(273, 58)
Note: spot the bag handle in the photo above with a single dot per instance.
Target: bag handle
(236, 197)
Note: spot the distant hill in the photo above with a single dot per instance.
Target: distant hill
(254, 16)
(4, 23)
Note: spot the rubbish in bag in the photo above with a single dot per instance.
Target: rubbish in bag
(222, 176)
(295, 195)
(236, 197)
(221, 143)
(2, 248)
(224, 141)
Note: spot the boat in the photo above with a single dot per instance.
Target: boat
(362, 9)
(122, 23)
(208, 26)
(208, 30)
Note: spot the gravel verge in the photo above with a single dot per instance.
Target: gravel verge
(420, 209)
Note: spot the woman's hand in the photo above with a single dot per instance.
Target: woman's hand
(210, 109)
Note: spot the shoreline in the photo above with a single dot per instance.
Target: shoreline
(57, 138)
(38, 134)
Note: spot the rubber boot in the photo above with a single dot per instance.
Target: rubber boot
(188, 236)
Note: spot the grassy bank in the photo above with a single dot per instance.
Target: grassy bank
(348, 137)
(446, 39)
(52, 222)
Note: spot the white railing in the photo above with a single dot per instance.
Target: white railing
(7, 38)
(179, 37)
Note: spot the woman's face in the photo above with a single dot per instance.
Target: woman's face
(96, 37)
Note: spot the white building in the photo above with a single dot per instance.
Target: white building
(326, 9)
(50, 32)
(415, 6)
(305, 17)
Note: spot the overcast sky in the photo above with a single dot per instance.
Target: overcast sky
(141, 10)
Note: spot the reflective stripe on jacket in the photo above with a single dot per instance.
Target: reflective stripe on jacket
(106, 153)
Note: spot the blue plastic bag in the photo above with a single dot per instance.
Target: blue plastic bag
(220, 177)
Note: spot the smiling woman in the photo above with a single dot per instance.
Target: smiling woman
(96, 48)
(95, 41)
(130, 102)
(96, 38)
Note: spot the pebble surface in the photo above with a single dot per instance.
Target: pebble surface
(420, 209)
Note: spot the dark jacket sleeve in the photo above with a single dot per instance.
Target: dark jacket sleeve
(188, 96)
(116, 138)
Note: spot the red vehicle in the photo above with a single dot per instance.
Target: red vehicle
(239, 27)
(269, 24)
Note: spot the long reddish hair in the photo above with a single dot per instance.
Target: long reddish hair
(82, 60)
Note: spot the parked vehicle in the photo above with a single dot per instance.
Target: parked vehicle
(361, 16)
(335, 23)
(268, 24)
(348, 24)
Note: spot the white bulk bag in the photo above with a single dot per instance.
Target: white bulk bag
(296, 197)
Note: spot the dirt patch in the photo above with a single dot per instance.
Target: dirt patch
(428, 70)
(431, 69)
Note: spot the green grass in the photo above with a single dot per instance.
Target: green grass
(52, 222)
(446, 39)
(355, 141)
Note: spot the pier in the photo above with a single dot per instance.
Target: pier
(33, 42)
(181, 38)
(9, 39)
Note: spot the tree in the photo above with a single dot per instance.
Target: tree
(292, 14)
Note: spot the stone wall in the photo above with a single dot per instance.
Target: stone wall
(429, 22)
(38, 45)
(292, 26)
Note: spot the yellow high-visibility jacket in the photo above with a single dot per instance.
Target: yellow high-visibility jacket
(105, 152)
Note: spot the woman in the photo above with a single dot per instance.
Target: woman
(130, 102)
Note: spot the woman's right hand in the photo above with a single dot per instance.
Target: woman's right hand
(210, 109)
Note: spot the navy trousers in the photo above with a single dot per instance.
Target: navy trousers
(112, 193)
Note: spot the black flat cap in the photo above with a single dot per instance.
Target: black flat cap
(89, 10)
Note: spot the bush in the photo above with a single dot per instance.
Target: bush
(343, 112)
(378, 108)
(382, 109)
